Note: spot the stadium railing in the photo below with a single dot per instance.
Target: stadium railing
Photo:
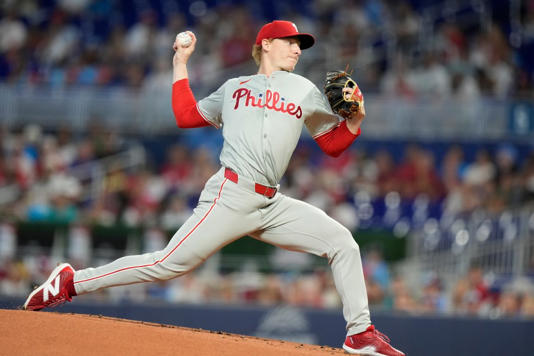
(149, 112)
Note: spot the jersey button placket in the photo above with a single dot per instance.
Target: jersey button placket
(265, 125)
(265, 118)
(265, 114)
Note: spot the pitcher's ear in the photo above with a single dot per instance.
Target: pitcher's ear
(266, 43)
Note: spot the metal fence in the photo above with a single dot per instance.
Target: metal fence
(500, 243)
(150, 112)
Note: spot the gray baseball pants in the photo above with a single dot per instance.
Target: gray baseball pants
(227, 211)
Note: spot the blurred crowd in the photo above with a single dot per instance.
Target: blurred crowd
(478, 293)
(63, 177)
(161, 196)
(400, 48)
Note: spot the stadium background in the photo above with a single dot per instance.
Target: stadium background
(438, 190)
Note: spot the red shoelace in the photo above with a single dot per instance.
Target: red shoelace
(382, 336)
(59, 300)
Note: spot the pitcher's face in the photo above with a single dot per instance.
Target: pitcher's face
(284, 53)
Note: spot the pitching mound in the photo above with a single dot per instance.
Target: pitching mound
(45, 333)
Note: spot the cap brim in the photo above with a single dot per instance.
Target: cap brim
(306, 40)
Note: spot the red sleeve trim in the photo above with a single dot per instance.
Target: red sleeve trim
(336, 140)
(184, 106)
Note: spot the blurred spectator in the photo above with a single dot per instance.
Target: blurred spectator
(158, 81)
(509, 190)
(328, 190)
(5, 171)
(386, 176)
(237, 48)
(85, 153)
(478, 181)
(62, 39)
(104, 140)
(527, 307)
(24, 167)
(299, 178)
(506, 161)
(146, 192)
(186, 289)
(406, 24)
(498, 55)
(66, 144)
(433, 79)
(140, 37)
(271, 292)
(175, 23)
(64, 192)
(453, 167)
(177, 169)
(305, 291)
(508, 305)
(13, 280)
(377, 276)
(433, 299)
(14, 32)
(79, 246)
(427, 180)
(470, 293)
(402, 298)
(397, 82)
(417, 175)
(55, 201)
(203, 167)
(452, 43)
(8, 242)
(175, 213)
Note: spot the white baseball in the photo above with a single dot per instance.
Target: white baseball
(184, 39)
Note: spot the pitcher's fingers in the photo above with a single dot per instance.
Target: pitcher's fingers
(193, 37)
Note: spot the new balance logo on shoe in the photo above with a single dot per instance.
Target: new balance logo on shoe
(57, 289)
(51, 289)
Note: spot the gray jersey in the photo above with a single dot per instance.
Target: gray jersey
(262, 118)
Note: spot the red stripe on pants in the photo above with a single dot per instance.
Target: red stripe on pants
(170, 253)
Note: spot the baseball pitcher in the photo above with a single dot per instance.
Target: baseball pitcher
(261, 117)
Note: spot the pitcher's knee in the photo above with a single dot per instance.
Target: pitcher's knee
(174, 266)
(344, 243)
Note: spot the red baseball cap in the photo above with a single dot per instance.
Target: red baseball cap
(282, 29)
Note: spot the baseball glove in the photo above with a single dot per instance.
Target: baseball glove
(340, 98)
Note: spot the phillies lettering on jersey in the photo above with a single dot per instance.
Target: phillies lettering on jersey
(272, 101)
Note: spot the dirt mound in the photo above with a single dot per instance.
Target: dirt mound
(46, 333)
